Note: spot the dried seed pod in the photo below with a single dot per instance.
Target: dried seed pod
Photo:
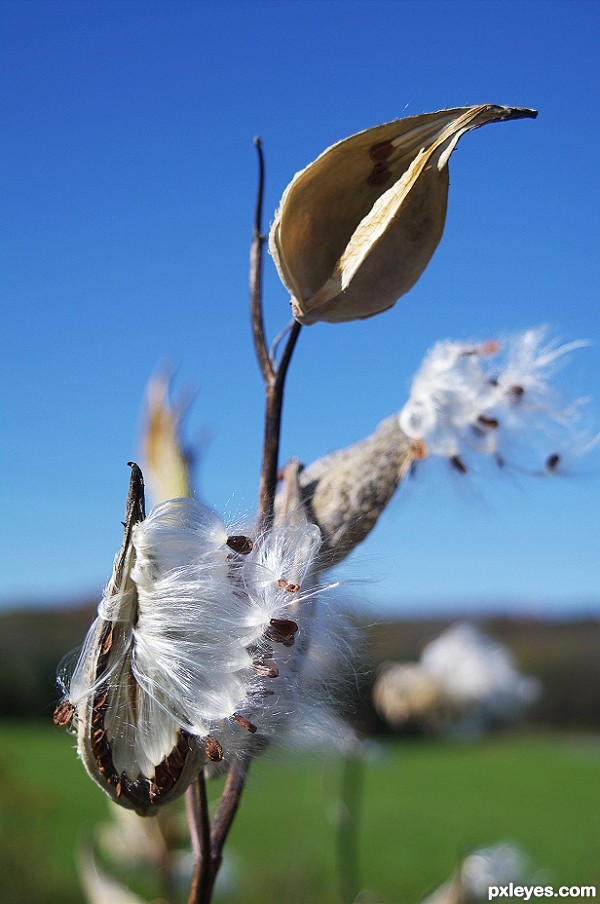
(355, 229)
(108, 715)
(183, 645)
(166, 462)
(345, 492)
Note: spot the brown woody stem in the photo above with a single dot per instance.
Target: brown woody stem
(270, 457)
(208, 845)
(204, 871)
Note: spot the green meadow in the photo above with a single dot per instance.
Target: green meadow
(409, 809)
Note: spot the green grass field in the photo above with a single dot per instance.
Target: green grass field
(423, 804)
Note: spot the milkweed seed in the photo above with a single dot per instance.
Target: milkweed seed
(282, 584)
(491, 422)
(265, 670)
(282, 630)
(63, 713)
(245, 723)
(240, 544)
(458, 464)
(213, 749)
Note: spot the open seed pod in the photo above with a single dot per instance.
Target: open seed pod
(193, 658)
(357, 227)
(138, 760)
(345, 492)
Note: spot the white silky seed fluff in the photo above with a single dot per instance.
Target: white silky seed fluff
(492, 398)
(188, 623)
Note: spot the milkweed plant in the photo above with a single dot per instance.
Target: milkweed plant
(214, 640)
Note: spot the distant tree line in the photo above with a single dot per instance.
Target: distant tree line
(563, 655)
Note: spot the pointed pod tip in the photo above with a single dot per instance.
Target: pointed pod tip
(520, 113)
(135, 507)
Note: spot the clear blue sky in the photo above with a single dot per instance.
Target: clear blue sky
(128, 188)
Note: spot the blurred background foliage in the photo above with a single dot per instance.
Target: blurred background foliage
(562, 654)
(419, 804)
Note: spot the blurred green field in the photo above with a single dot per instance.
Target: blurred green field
(424, 804)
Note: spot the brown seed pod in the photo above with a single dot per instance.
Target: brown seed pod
(99, 743)
(355, 230)
(345, 492)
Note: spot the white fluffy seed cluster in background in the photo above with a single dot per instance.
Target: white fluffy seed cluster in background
(497, 865)
(493, 398)
(211, 634)
(464, 683)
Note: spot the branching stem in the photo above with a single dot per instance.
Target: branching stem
(207, 844)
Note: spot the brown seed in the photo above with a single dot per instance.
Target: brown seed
(163, 780)
(213, 749)
(240, 544)
(552, 462)
(286, 585)
(458, 465)
(98, 738)
(419, 451)
(265, 670)
(107, 641)
(63, 714)
(516, 392)
(183, 743)
(101, 699)
(176, 759)
(282, 630)
(245, 723)
(105, 765)
(491, 347)
(487, 421)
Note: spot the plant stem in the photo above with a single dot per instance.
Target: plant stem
(256, 257)
(270, 458)
(204, 872)
(207, 845)
(348, 821)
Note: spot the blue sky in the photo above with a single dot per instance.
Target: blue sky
(128, 189)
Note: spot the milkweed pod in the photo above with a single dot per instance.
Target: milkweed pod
(126, 738)
(345, 492)
(167, 464)
(355, 229)
(192, 659)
